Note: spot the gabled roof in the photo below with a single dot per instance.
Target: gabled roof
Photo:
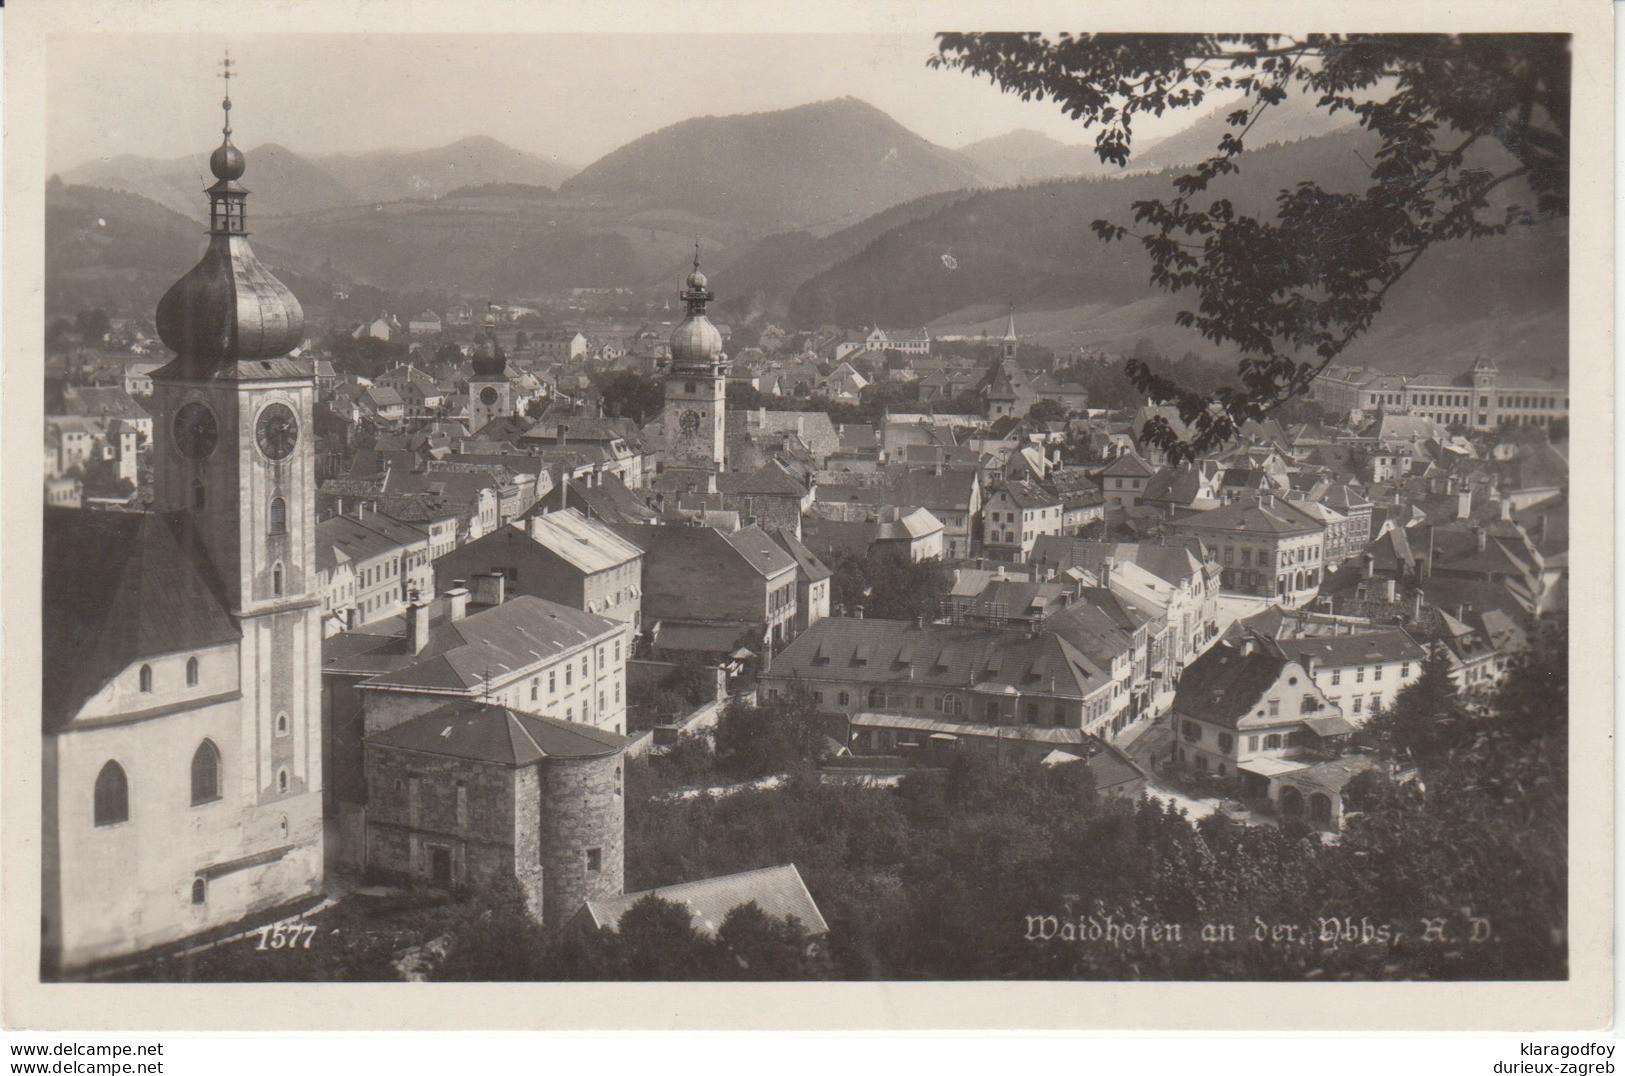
(770, 479)
(1128, 465)
(461, 654)
(778, 891)
(1026, 495)
(811, 568)
(1225, 684)
(119, 587)
(1255, 515)
(485, 733)
(587, 544)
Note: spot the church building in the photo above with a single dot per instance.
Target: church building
(182, 648)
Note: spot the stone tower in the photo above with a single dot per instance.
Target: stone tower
(696, 394)
(490, 393)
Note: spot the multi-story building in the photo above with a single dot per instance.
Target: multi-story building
(1124, 480)
(970, 675)
(711, 576)
(1265, 546)
(1242, 708)
(812, 580)
(1480, 398)
(524, 653)
(369, 566)
(561, 556)
(1017, 514)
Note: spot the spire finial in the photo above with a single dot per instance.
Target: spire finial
(696, 255)
(225, 103)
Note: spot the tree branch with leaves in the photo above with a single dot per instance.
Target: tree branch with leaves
(1455, 118)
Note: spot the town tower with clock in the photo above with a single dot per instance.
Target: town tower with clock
(490, 392)
(692, 424)
(183, 646)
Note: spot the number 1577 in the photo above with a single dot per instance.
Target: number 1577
(285, 937)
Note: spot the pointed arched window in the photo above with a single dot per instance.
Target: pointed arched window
(200, 891)
(146, 678)
(112, 798)
(191, 672)
(205, 773)
(279, 516)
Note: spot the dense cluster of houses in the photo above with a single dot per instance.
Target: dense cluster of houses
(499, 567)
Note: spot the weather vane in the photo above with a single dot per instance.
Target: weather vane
(225, 73)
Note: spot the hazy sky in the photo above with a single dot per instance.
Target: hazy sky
(575, 96)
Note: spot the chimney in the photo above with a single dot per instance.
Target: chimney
(1481, 538)
(761, 416)
(457, 598)
(919, 622)
(1370, 565)
(1390, 590)
(563, 430)
(417, 624)
(489, 588)
(1107, 566)
(1506, 509)
(1307, 660)
(1464, 504)
(1246, 645)
(857, 611)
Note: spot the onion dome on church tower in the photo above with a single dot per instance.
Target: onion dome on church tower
(229, 307)
(489, 360)
(696, 343)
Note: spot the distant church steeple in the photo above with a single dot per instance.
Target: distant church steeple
(1011, 344)
(696, 392)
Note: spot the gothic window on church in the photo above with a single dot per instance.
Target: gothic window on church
(145, 677)
(200, 891)
(191, 672)
(276, 581)
(279, 516)
(282, 723)
(112, 796)
(205, 773)
(282, 780)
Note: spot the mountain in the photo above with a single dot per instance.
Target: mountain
(1006, 156)
(1292, 120)
(120, 251)
(818, 167)
(390, 175)
(502, 240)
(282, 181)
(286, 183)
(761, 277)
(957, 267)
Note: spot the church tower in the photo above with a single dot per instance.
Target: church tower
(696, 394)
(233, 452)
(490, 393)
(1011, 344)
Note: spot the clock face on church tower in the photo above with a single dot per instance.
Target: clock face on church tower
(196, 431)
(689, 421)
(277, 431)
(488, 395)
